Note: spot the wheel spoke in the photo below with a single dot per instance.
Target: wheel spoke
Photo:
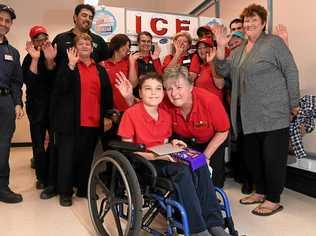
(104, 188)
(117, 220)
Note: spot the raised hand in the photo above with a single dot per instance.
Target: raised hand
(211, 55)
(50, 52)
(179, 47)
(133, 57)
(34, 53)
(123, 85)
(220, 32)
(73, 57)
(282, 32)
(156, 53)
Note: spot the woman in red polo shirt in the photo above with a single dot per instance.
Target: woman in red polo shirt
(81, 96)
(147, 123)
(202, 68)
(119, 62)
(180, 51)
(197, 116)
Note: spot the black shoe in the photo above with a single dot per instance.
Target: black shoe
(247, 188)
(33, 162)
(7, 196)
(48, 193)
(40, 185)
(65, 201)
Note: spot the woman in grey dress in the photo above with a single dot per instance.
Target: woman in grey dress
(265, 93)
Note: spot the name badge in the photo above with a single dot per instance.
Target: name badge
(187, 61)
(8, 57)
(201, 123)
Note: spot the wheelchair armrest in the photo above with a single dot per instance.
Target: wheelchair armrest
(126, 146)
(148, 170)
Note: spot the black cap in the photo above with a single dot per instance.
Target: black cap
(9, 10)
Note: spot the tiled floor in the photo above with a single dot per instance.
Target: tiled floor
(35, 217)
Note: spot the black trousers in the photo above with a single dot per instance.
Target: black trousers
(7, 127)
(75, 155)
(266, 158)
(38, 133)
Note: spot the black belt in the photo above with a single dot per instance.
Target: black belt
(4, 91)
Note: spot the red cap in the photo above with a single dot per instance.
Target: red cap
(207, 27)
(36, 30)
(207, 40)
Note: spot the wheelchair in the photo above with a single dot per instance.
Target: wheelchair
(125, 195)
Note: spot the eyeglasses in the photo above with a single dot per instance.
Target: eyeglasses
(237, 28)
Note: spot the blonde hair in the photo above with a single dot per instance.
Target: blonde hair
(178, 35)
(83, 36)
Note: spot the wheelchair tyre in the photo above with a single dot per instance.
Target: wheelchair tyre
(113, 187)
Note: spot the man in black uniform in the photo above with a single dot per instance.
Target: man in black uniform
(83, 16)
(10, 101)
(38, 77)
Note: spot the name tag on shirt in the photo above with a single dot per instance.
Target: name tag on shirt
(8, 57)
(187, 61)
(201, 123)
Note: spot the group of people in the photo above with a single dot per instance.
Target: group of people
(74, 83)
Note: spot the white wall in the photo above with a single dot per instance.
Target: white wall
(56, 15)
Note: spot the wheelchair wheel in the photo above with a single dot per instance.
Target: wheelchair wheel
(114, 196)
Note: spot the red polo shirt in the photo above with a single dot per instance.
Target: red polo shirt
(90, 95)
(195, 64)
(180, 61)
(138, 125)
(207, 117)
(204, 77)
(113, 68)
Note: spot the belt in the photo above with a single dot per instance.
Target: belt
(4, 91)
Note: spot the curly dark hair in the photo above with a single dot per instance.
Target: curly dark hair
(255, 9)
(84, 6)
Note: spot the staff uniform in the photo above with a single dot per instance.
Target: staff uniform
(10, 95)
(207, 117)
(38, 92)
(82, 96)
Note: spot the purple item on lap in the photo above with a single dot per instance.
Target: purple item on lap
(191, 157)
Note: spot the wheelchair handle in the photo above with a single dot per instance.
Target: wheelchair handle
(126, 146)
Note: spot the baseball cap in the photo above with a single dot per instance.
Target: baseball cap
(203, 28)
(36, 30)
(238, 34)
(9, 10)
(207, 40)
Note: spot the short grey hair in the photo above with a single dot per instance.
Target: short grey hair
(174, 72)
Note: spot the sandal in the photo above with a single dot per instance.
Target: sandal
(255, 201)
(268, 212)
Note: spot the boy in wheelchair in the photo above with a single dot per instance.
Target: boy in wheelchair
(146, 123)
